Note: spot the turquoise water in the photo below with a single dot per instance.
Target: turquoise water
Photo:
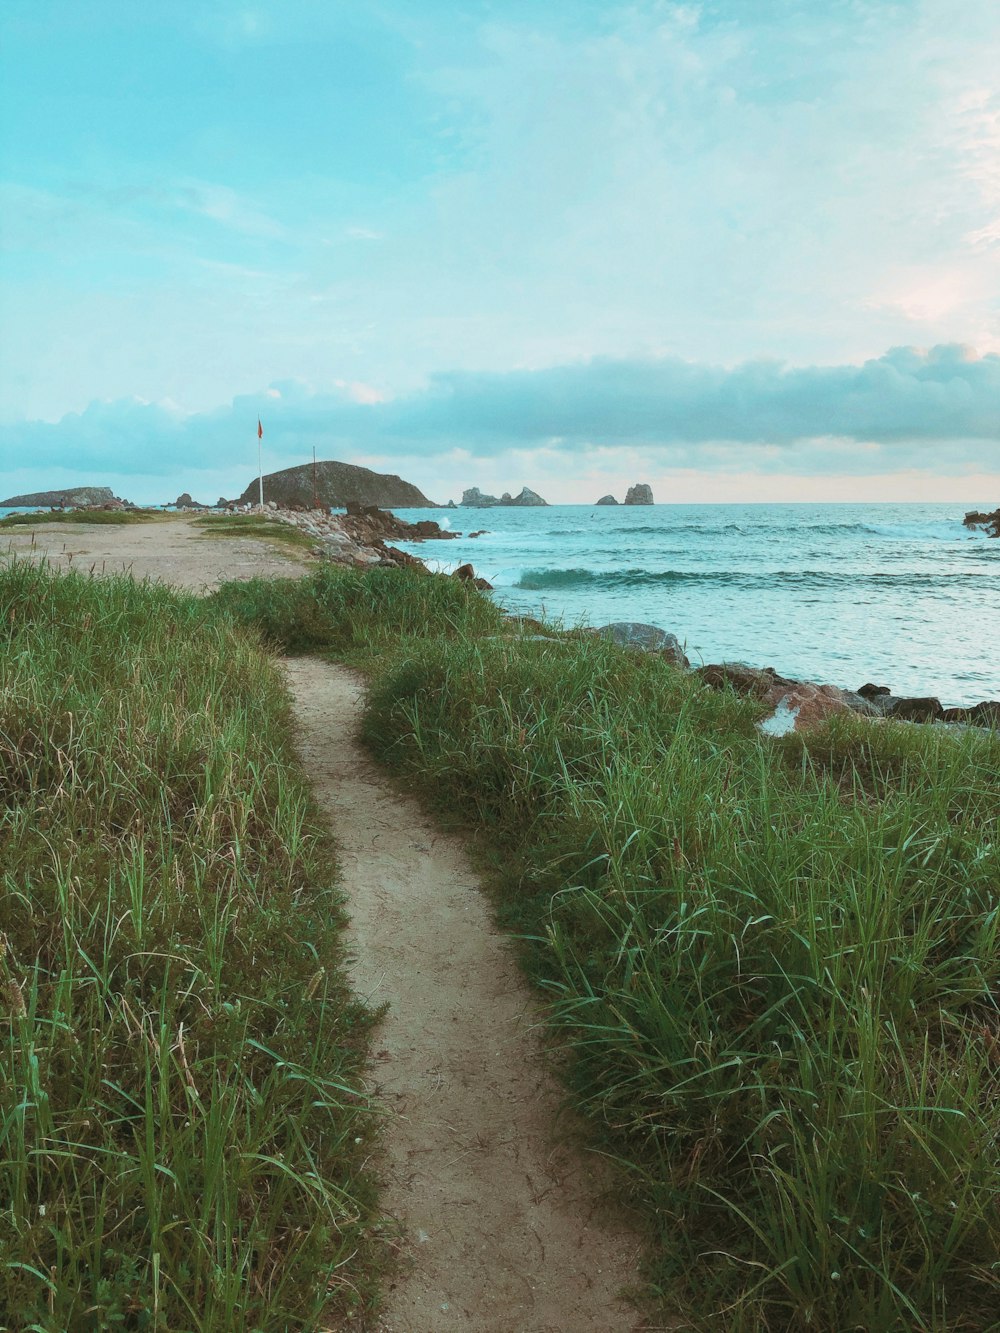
(902, 595)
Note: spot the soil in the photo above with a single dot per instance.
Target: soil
(497, 1220)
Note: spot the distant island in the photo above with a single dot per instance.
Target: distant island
(80, 496)
(639, 494)
(334, 486)
(473, 498)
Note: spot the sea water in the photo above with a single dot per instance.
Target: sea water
(901, 595)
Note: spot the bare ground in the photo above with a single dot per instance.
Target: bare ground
(170, 549)
(500, 1225)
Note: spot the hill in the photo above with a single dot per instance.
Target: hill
(336, 484)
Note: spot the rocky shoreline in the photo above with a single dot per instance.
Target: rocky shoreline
(359, 538)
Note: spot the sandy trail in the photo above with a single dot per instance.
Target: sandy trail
(500, 1226)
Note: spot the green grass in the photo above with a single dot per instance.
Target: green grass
(357, 612)
(254, 525)
(774, 968)
(182, 1140)
(100, 517)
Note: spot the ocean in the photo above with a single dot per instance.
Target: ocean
(900, 595)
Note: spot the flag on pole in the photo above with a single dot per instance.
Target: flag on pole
(260, 430)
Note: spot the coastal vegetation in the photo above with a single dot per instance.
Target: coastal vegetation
(252, 525)
(104, 517)
(182, 1139)
(772, 965)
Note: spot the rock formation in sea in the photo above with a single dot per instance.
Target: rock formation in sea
(606, 500)
(76, 496)
(640, 494)
(336, 484)
(184, 501)
(473, 498)
(990, 523)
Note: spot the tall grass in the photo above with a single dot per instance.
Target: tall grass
(182, 1142)
(100, 517)
(337, 609)
(774, 965)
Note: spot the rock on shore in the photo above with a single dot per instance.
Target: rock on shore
(357, 537)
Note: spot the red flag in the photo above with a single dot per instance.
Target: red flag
(260, 430)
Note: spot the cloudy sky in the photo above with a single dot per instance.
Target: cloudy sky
(738, 248)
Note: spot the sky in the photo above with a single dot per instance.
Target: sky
(739, 249)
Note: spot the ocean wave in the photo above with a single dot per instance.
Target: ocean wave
(540, 579)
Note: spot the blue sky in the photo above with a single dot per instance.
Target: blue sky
(741, 249)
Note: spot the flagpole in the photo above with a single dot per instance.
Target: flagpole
(260, 467)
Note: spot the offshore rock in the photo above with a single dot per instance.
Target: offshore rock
(473, 498)
(606, 500)
(640, 494)
(184, 501)
(645, 639)
(990, 523)
(336, 485)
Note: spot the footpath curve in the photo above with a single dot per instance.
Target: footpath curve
(500, 1230)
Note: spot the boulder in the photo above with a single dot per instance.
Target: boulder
(986, 714)
(606, 500)
(926, 709)
(803, 707)
(758, 681)
(640, 494)
(468, 575)
(645, 639)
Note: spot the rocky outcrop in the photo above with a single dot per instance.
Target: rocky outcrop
(990, 523)
(643, 638)
(184, 501)
(337, 485)
(73, 497)
(606, 500)
(473, 498)
(640, 494)
(367, 524)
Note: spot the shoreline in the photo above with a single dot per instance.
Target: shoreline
(362, 538)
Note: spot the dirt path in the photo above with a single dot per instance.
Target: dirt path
(501, 1231)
